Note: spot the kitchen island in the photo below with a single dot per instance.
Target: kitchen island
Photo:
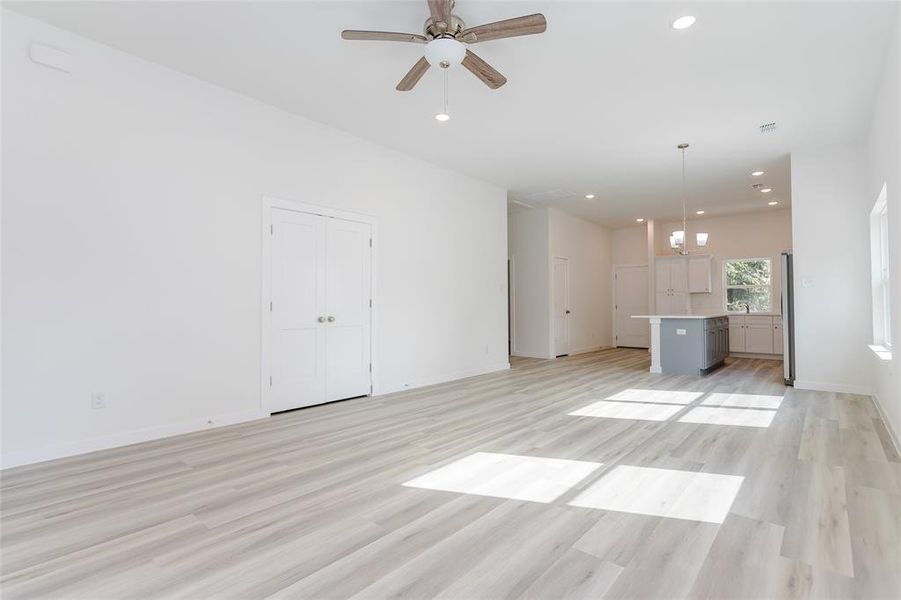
(687, 344)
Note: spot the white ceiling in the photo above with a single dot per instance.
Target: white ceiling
(596, 104)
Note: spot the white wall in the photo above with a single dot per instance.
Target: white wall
(884, 166)
(528, 232)
(830, 234)
(752, 235)
(629, 245)
(131, 248)
(587, 246)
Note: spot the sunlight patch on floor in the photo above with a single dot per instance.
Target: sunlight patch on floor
(740, 417)
(743, 401)
(512, 476)
(629, 410)
(658, 396)
(668, 493)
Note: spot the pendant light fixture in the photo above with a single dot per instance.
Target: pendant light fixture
(678, 241)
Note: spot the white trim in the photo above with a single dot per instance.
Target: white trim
(534, 355)
(755, 355)
(613, 298)
(824, 386)
(896, 441)
(269, 203)
(135, 436)
(457, 375)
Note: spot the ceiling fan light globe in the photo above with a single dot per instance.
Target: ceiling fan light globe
(445, 52)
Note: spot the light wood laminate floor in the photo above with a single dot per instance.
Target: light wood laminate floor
(716, 494)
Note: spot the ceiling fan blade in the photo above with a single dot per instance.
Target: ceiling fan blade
(413, 75)
(441, 11)
(382, 36)
(527, 25)
(483, 71)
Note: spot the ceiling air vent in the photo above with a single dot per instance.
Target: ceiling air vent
(768, 127)
(546, 196)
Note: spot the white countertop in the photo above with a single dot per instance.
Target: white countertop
(713, 316)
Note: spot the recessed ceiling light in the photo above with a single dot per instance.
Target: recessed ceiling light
(443, 117)
(589, 196)
(765, 191)
(757, 173)
(640, 220)
(699, 212)
(684, 22)
(773, 203)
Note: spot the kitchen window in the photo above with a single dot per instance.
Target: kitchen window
(748, 285)
(879, 257)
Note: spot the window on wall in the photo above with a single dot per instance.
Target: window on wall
(879, 257)
(748, 284)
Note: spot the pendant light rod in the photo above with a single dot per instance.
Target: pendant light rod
(684, 250)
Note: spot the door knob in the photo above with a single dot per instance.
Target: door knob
(567, 312)
(321, 319)
(331, 319)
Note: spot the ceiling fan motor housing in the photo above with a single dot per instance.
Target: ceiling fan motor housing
(432, 30)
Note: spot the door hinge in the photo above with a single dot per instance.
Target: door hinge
(271, 229)
(270, 381)
(370, 367)
(370, 242)
(370, 303)
(270, 306)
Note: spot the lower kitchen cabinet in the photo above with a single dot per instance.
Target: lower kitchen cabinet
(755, 334)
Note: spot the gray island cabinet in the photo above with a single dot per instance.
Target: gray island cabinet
(687, 344)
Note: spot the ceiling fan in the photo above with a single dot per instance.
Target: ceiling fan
(445, 36)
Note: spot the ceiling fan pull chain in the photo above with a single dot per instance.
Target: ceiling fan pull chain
(445, 92)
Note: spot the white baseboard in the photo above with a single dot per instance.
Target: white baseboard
(27, 457)
(825, 386)
(532, 355)
(888, 424)
(444, 378)
(758, 356)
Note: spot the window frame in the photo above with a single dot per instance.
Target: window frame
(880, 265)
(726, 286)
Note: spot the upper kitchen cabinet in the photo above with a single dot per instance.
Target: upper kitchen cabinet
(700, 278)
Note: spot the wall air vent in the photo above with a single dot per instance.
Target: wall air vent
(768, 127)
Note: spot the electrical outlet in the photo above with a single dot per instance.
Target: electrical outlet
(98, 400)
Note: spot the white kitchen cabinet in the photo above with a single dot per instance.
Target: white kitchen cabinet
(672, 285)
(777, 336)
(755, 334)
(700, 278)
(736, 334)
(678, 274)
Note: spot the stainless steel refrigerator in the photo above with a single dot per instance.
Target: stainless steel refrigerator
(788, 318)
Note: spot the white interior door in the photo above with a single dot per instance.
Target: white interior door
(631, 298)
(298, 302)
(561, 306)
(348, 293)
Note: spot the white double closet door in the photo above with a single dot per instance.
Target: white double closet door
(320, 312)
